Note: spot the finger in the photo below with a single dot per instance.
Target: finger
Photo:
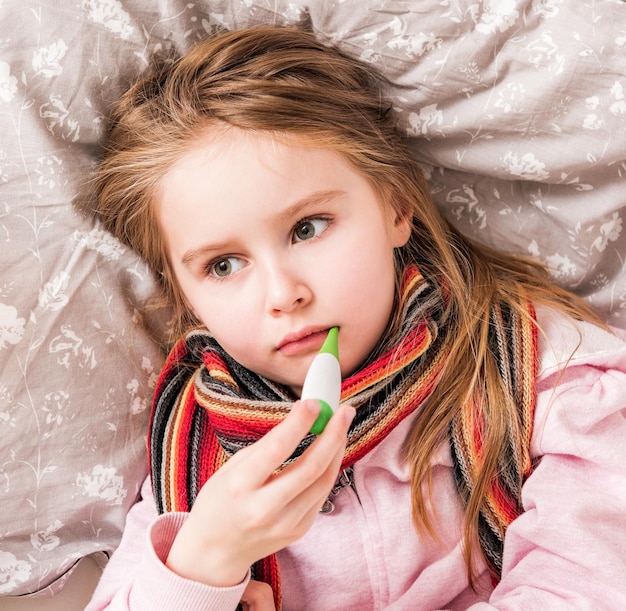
(306, 506)
(339, 424)
(269, 453)
(258, 596)
(300, 513)
(332, 440)
(315, 472)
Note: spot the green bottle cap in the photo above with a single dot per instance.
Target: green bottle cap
(331, 343)
(323, 417)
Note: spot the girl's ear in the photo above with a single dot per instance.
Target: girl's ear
(400, 226)
(399, 217)
(401, 229)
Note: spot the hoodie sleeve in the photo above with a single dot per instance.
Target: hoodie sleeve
(568, 549)
(137, 578)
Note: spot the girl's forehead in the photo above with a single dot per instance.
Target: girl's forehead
(226, 162)
(233, 149)
(222, 136)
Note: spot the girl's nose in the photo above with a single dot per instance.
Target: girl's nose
(286, 290)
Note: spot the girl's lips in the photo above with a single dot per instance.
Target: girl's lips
(307, 340)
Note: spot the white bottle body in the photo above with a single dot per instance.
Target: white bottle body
(323, 380)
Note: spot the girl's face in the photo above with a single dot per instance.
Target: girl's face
(272, 244)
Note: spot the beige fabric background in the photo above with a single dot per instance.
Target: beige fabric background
(515, 108)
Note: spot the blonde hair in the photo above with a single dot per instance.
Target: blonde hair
(287, 83)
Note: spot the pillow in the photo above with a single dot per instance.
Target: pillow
(78, 358)
(515, 109)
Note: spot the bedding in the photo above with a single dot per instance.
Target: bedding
(516, 110)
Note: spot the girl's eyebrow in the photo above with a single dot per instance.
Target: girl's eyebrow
(202, 252)
(319, 197)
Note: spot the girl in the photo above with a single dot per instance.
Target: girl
(477, 458)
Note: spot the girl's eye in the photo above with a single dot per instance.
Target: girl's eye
(222, 268)
(309, 228)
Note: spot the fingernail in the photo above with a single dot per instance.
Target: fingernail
(312, 405)
(349, 415)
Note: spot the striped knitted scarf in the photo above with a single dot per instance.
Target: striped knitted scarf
(207, 407)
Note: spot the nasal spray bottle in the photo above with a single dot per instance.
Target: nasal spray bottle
(323, 380)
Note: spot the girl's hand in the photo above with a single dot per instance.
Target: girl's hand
(258, 596)
(247, 510)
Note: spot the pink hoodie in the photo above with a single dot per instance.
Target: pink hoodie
(567, 551)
